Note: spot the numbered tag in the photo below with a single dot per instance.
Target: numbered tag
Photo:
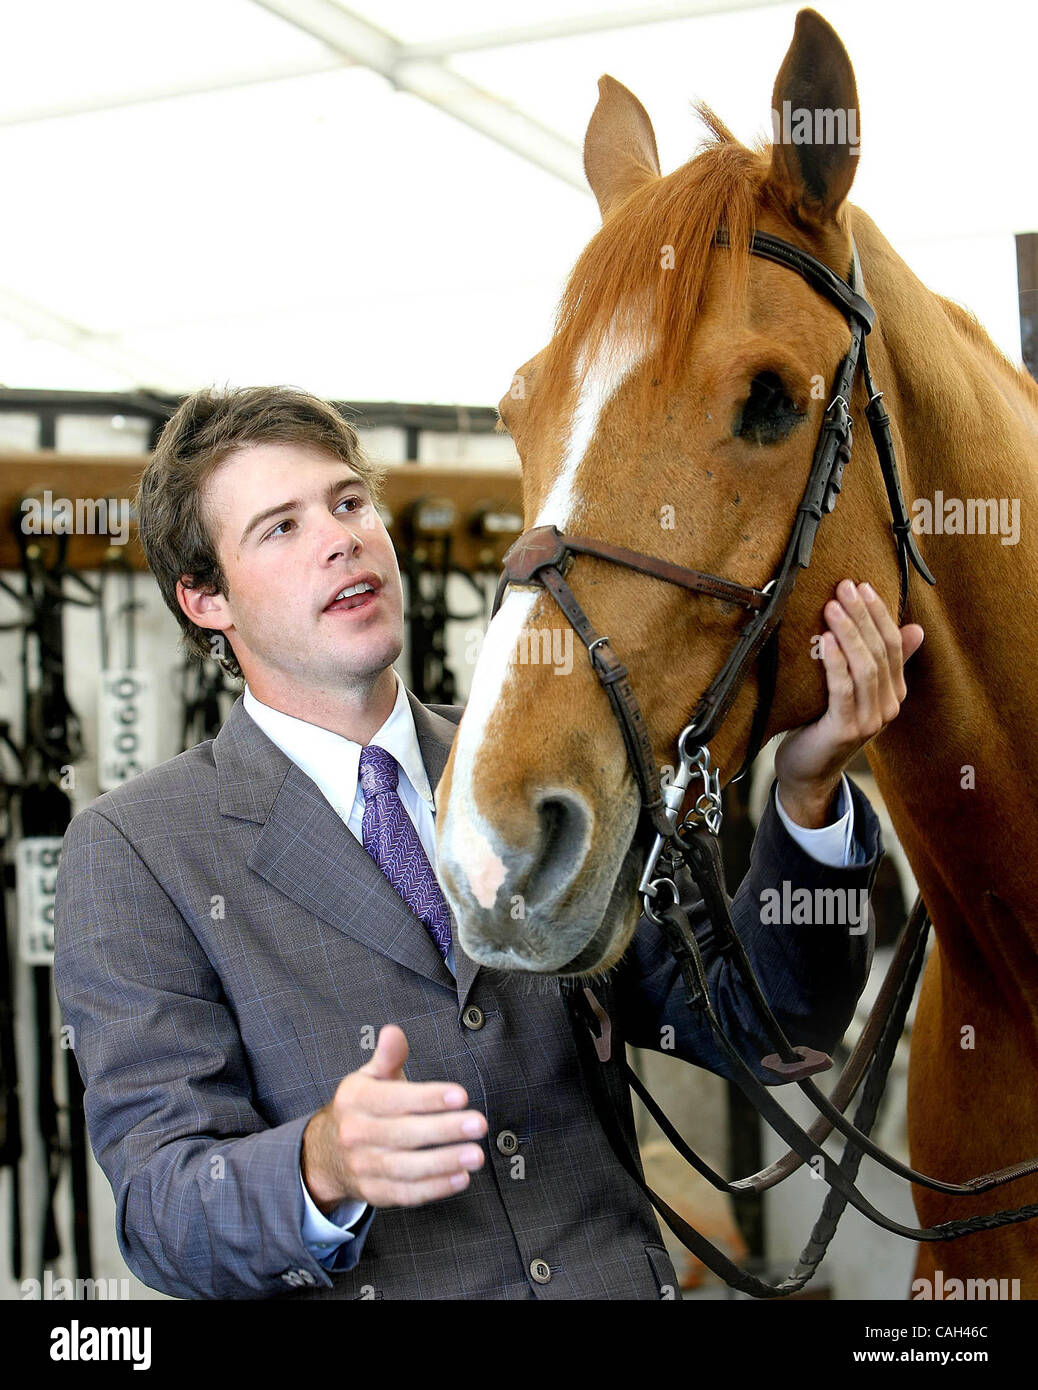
(127, 740)
(36, 861)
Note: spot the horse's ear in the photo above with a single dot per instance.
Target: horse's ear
(619, 147)
(815, 118)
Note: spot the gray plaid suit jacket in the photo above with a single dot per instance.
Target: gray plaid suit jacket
(226, 952)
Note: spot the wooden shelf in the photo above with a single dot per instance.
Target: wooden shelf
(89, 478)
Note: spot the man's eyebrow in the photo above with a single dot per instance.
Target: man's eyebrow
(351, 481)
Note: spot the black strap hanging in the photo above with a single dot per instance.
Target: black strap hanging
(52, 744)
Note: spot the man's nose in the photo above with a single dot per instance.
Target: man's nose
(337, 539)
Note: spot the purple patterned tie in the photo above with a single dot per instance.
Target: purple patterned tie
(392, 841)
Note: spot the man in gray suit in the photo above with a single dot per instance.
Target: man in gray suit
(292, 1089)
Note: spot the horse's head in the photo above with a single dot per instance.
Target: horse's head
(675, 412)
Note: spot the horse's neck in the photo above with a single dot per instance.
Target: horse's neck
(959, 765)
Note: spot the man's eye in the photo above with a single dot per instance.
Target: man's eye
(356, 501)
(277, 528)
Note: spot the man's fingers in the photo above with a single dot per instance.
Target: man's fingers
(890, 636)
(863, 666)
(851, 597)
(361, 1090)
(911, 640)
(416, 1165)
(885, 703)
(839, 680)
(864, 655)
(383, 1192)
(395, 1094)
(360, 1127)
(391, 1052)
(875, 651)
(901, 643)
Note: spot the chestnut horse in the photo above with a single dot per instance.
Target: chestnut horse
(675, 412)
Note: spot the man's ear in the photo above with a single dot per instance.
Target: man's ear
(204, 609)
(815, 118)
(619, 147)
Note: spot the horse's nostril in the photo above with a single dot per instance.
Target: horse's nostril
(564, 842)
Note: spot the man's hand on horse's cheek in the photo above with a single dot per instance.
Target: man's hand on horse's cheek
(864, 654)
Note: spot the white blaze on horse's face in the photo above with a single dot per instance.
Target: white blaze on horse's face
(623, 350)
(474, 861)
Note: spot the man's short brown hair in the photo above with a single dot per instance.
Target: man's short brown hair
(207, 427)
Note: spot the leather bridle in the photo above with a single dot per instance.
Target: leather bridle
(687, 853)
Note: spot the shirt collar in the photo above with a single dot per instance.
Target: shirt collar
(327, 757)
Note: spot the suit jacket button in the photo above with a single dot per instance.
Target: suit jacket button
(473, 1018)
(540, 1271)
(506, 1141)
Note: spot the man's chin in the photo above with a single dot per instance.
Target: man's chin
(320, 670)
(359, 668)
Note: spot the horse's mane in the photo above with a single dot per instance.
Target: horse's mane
(967, 323)
(621, 270)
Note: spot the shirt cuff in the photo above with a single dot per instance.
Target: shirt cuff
(831, 844)
(322, 1236)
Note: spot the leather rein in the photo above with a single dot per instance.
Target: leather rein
(687, 853)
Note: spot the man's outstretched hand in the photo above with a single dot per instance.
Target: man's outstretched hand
(390, 1142)
(865, 655)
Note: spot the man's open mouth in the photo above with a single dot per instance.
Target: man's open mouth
(358, 595)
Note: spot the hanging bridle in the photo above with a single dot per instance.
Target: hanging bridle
(541, 557)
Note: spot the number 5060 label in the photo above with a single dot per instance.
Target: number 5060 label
(127, 735)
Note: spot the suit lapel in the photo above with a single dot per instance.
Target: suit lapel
(305, 851)
(435, 736)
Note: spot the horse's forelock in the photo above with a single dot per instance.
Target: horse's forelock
(720, 132)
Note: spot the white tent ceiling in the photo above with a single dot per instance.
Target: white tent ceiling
(382, 201)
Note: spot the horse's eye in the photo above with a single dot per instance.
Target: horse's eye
(767, 415)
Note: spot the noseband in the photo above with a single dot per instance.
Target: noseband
(542, 556)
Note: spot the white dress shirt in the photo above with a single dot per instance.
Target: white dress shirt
(833, 844)
(332, 762)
